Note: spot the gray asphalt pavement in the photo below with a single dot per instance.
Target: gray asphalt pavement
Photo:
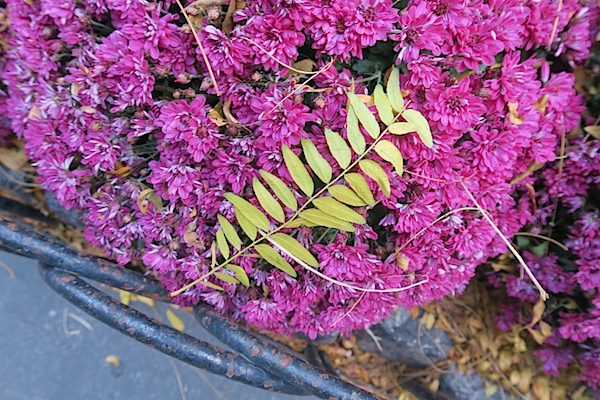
(50, 350)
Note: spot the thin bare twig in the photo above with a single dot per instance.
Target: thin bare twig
(549, 239)
(204, 56)
(543, 294)
(178, 376)
(11, 272)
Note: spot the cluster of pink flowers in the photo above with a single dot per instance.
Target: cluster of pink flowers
(112, 97)
(568, 207)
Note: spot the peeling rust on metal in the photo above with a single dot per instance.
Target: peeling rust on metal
(286, 360)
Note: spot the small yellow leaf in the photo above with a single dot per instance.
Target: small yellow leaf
(593, 130)
(365, 116)
(375, 172)
(322, 219)
(491, 390)
(251, 213)
(359, 184)
(114, 360)
(175, 321)
(542, 103)
(146, 300)
(280, 189)
(546, 329)
(14, 159)
(346, 195)
(215, 116)
(240, 274)
(393, 91)
(124, 296)
(143, 206)
(390, 153)
(222, 243)
(316, 161)
(538, 312)
(270, 205)
(274, 258)
(429, 320)
(541, 387)
(119, 171)
(336, 209)
(226, 278)
(248, 227)
(525, 381)
(402, 262)
(298, 171)
(338, 147)
(306, 65)
(417, 119)
(230, 232)
(513, 115)
(384, 109)
(355, 136)
(88, 109)
(295, 248)
(402, 128)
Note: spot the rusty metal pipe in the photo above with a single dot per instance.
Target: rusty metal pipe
(283, 364)
(159, 336)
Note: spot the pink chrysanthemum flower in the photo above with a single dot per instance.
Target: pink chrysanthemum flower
(455, 108)
(229, 55)
(151, 31)
(420, 29)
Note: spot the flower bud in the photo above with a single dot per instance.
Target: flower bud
(213, 13)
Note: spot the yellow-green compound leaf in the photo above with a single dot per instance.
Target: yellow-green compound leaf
(390, 153)
(240, 274)
(294, 247)
(359, 184)
(346, 195)
(336, 209)
(355, 136)
(365, 116)
(280, 189)
(417, 119)
(252, 214)
(316, 161)
(384, 109)
(338, 147)
(230, 232)
(275, 259)
(270, 205)
(393, 91)
(248, 227)
(319, 217)
(375, 172)
(226, 278)
(401, 128)
(298, 171)
(222, 243)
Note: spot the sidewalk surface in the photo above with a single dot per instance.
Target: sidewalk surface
(48, 354)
